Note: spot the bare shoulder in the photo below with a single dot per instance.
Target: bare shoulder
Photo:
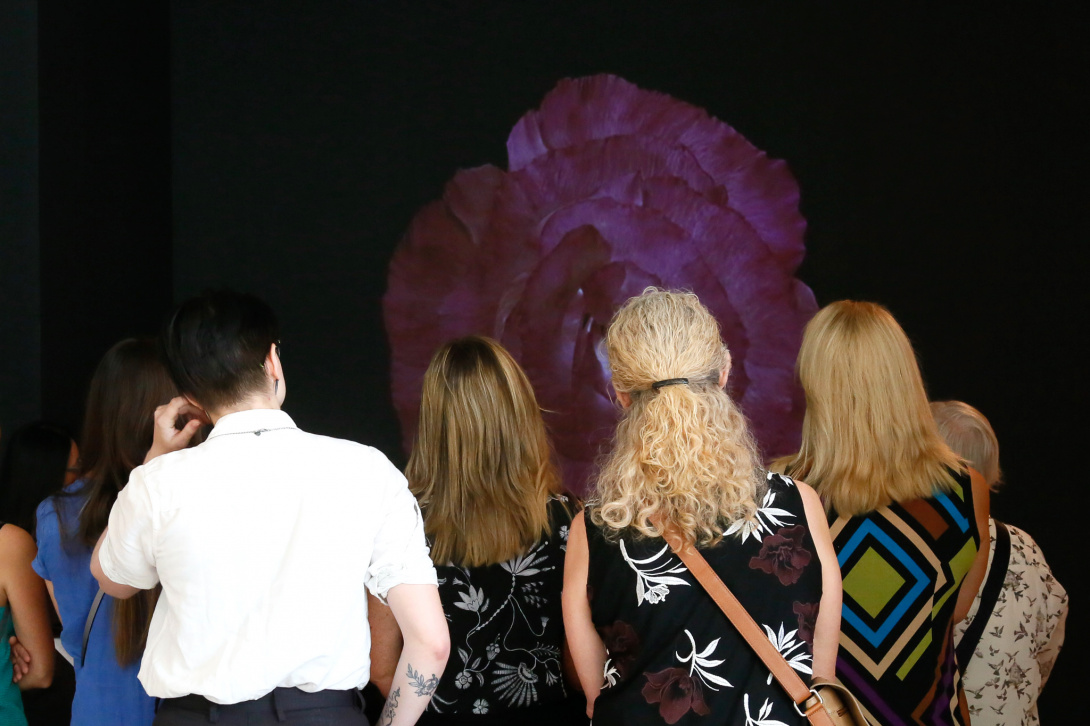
(17, 551)
(578, 524)
(809, 496)
(979, 483)
(16, 543)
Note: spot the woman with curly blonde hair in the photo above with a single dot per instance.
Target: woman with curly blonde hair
(908, 517)
(649, 644)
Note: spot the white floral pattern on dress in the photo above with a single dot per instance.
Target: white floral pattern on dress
(787, 644)
(516, 684)
(701, 664)
(764, 716)
(1021, 641)
(473, 600)
(505, 646)
(652, 582)
(610, 673)
(765, 519)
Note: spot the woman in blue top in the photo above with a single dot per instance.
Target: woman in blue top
(128, 385)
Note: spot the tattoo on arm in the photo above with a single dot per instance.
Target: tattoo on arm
(423, 687)
(387, 716)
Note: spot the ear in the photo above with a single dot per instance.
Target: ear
(726, 369)
(625, 399)
(272, 364)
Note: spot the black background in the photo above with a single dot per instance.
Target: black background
(282, 148)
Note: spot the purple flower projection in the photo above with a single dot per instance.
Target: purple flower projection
(611, 188)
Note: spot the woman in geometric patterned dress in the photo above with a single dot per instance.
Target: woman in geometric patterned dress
(650, 645)
(907, 516)
(1023, 634)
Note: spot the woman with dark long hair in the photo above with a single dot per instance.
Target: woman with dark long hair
(129, 383)
(40, 459)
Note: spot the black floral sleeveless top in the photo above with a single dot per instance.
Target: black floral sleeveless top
(673, 656)
(506, 634)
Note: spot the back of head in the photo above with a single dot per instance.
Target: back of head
(35, 465)
(481, 465)
(129, 383)
(682, 450)
(215, 346)
(971, 436)
(868, 438)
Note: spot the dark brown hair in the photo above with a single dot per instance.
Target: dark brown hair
(129, 383)
(34, 467)
(215, 345)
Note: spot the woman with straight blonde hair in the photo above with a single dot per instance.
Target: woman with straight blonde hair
(482, 471)
(908, 517)
(649, 644)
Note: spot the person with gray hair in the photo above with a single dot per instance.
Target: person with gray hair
(1009, 641)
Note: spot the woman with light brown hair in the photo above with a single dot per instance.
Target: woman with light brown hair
(482, 471)
(649, 643)
(908, 516)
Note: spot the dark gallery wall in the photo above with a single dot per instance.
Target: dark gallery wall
(104, 187)
(20, 343)
(940, 153)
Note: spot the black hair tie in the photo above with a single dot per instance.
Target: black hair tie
(669, 382)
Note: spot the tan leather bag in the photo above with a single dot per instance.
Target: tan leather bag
(824, 702)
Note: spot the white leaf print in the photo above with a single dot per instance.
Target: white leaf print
(762, 715)
(786, 644)
(653, 580)
(699, 663)
(611, 673)
(716, 679)
(766, 518)
(707, 651)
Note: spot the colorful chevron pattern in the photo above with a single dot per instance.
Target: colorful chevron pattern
(903, 566)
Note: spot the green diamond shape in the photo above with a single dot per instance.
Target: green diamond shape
(872, 582)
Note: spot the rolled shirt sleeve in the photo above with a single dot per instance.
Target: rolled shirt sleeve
(127, 554)
(401, 555)
(47, 536)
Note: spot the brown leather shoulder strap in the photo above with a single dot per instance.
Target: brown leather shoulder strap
(750, 631)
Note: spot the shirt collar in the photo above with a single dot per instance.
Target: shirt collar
(252, 420)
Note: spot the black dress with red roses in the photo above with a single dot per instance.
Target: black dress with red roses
(673, 656)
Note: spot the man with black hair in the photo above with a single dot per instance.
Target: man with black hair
(266, 540)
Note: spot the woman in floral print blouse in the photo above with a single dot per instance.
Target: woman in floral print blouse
(649, 644)
(1025, 630)
(481, 469)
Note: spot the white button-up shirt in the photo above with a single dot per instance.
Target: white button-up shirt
(265, 546)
